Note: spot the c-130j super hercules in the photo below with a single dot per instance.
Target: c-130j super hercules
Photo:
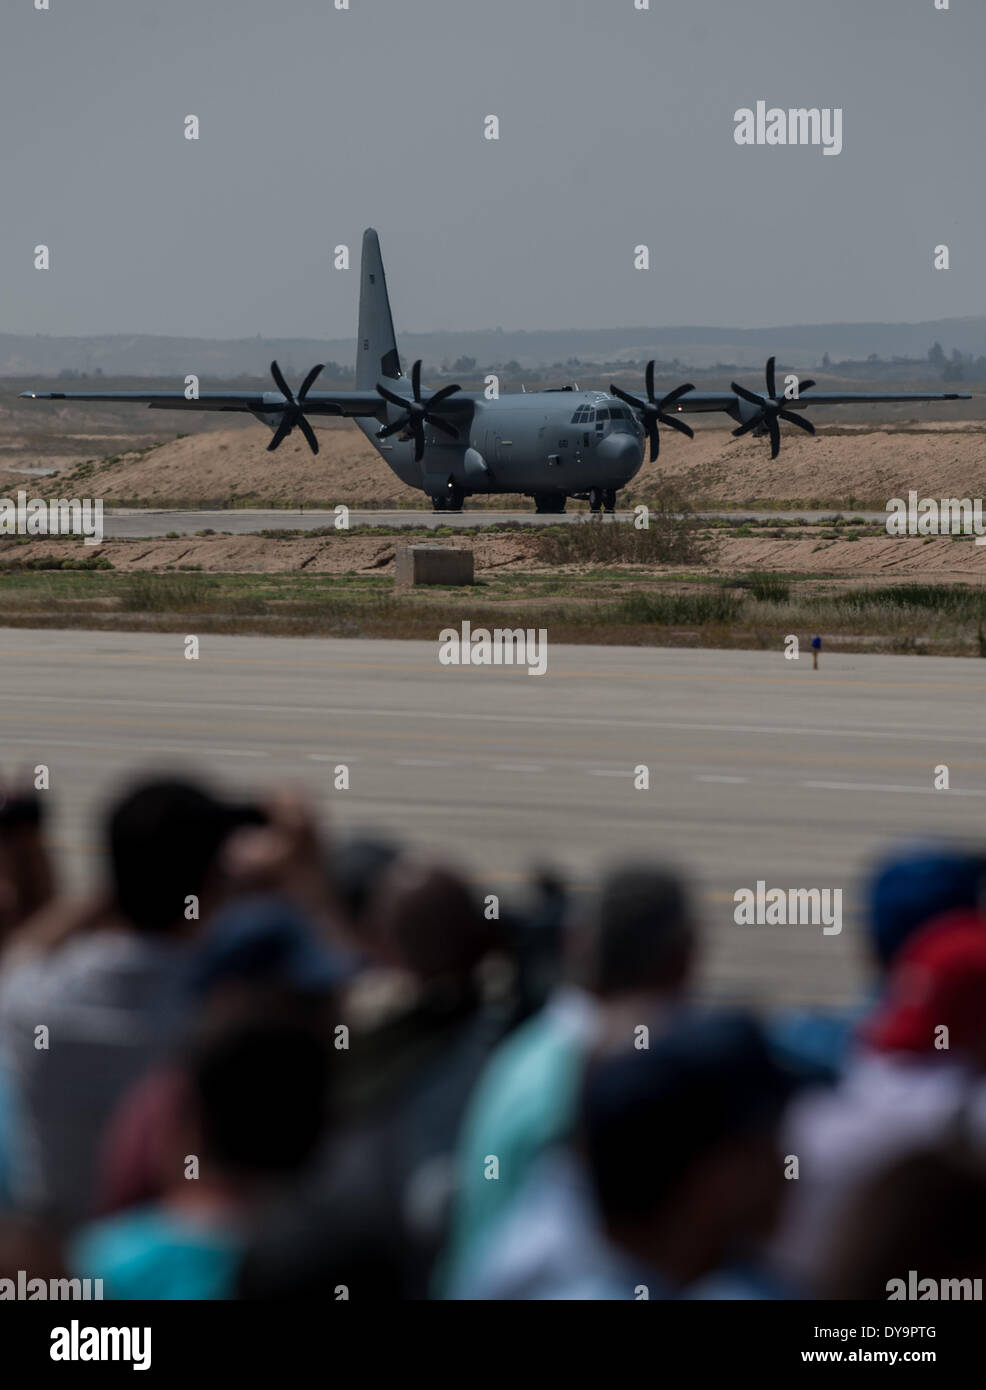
(549, 445)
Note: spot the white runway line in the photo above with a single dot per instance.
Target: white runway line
(893, 787)
(326, 711)
(236, 753)
(716, 777)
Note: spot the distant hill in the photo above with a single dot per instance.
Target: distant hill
(116, 355)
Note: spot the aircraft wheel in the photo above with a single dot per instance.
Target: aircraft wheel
(454, 499)
(439, 503)
(595, 499)
(609, 499)
(549, 503)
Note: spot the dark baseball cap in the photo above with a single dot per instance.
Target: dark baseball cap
(649, 1114)
(267, 939)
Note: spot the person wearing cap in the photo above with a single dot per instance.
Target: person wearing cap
(908, 887)
(671, 1181)
(918, 1074)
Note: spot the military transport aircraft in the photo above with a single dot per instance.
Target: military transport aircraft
(550, 445)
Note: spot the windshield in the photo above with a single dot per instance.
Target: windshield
(623, 420)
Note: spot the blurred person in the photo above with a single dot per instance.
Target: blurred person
(249, 1115)
(278, 851)
(357, 867)
(672, 1182)
(630, 953)
(28, 1249)
(534, 941)
(908, 887)
(919, 1074)
(255, 951)
(680, 1141)
(421, 1028)
(27, 879)
(921, 1218)
(426, 939)
(91, 993)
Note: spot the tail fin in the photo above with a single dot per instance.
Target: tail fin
(376, 349)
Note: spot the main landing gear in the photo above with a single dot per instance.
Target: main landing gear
(549, 503)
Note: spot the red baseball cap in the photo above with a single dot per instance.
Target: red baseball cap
(939, 979)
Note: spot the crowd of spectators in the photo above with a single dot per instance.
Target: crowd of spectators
(256, 1065)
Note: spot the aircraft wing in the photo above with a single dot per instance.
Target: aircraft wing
(344, 403)
(701, 401)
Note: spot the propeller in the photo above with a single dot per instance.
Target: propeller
(292, 413)
(417, 413)
(653, 410)
(771, 410)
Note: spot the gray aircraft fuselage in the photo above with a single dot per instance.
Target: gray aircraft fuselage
(551, 442)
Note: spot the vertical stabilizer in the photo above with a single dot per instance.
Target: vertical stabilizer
(376, 347)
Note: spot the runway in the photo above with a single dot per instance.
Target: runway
(759, 767)
(122, 523)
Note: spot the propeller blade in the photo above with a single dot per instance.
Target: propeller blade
(392, 429)
(280, 434)
(793, 419)
(805, 385)
(391, 396)
(746, 395)
(309, 380)
(750, 425)
(677, 425)
(419, 442)
(649, 380)
(771, 379)
(635, 401)
(673, 396)
(441, 395)
(416, 380)
(655, 441)
(442, 425)
(279, 381)
(309, 433)
(775, 434)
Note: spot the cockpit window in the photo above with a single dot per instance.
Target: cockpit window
(626, 423)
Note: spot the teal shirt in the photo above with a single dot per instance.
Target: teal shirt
(149, 1253)
(525, 1102)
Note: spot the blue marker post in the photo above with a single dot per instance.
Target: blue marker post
(816, 647)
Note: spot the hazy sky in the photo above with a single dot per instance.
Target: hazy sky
(616, 128)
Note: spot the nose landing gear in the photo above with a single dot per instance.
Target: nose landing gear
(602, 499)
(449, 501)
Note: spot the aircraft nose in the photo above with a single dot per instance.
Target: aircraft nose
(621, 450)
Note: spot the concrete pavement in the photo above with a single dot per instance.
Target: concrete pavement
(241, 521)
(759, 767)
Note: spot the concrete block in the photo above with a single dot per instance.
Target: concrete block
(432, 564)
